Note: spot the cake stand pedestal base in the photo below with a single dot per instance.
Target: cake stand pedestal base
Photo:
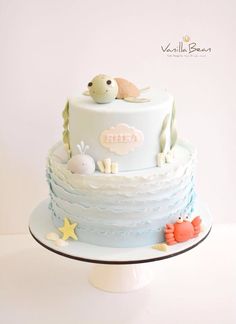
(120, 278)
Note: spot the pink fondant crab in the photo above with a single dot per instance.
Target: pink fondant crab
(183, 230)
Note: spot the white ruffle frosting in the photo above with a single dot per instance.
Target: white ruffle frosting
(127, 209)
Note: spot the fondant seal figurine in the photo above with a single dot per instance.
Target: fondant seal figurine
(105, 89)
(81, 163)
(183, 230)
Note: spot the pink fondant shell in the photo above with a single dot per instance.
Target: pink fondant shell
(126, 89)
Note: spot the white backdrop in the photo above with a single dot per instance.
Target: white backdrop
(50, 49)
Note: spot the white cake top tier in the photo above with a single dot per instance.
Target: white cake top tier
(156, 99)
(127, 133)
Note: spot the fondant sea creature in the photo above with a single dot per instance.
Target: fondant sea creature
(183, 230)
(105, 89)
(68, 230)
(81, 163)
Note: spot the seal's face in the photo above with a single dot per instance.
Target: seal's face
(103, 89)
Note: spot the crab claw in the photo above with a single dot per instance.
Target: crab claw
(169, 228)
(196, 222)
(169, 234)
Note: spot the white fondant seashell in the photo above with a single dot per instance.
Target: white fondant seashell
(52, 236)
(160, 247)
(61, 243)
(82, 164)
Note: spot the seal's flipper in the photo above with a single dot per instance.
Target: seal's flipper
(136, 100)
(145, 89)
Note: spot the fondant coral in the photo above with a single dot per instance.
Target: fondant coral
(160, 159)
(107, 166)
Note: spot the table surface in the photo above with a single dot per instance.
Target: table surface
(38, 286)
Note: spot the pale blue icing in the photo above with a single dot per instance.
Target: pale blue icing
(132, 224)
(77, 203)
(147, 233)
(87, 120)
(117, 202)
(126, 210)
(125, 218)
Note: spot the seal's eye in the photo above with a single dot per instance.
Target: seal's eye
(90, 84)
(108, 81)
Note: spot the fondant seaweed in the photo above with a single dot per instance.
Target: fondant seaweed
(173, 130)
(163, 133)
(66, 132)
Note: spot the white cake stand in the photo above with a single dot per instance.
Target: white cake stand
(115, 269)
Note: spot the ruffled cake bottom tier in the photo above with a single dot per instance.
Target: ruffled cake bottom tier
(128, 209)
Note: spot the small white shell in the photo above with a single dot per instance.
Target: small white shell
(160, 247)
(52, 236)
(61, 243)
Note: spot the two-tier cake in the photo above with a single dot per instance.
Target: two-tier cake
(120, 177)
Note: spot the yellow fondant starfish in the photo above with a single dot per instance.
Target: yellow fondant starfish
(68, 230)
